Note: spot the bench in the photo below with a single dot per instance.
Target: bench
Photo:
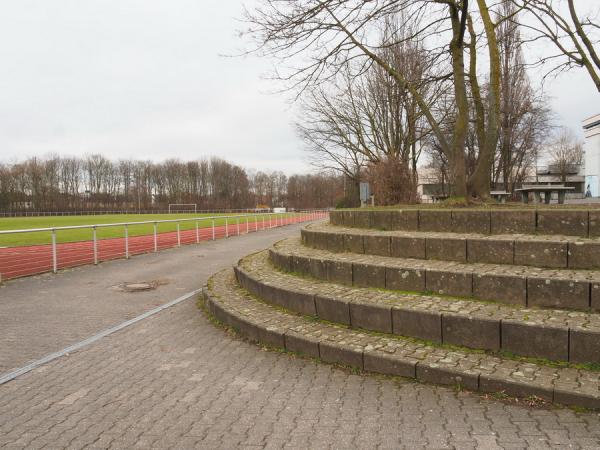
(500, 196)
(436, 198)
(547, 189)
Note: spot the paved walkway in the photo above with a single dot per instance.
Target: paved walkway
(46, 313)
(176, 381)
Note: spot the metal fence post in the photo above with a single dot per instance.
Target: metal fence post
(95, 246)
(226, 227)
(54, 256)
(263, 219)
(155, 237)
(197, 233)
(238, 225)
(178, 236)
(213, 229)
(126, 242)
(247, 226)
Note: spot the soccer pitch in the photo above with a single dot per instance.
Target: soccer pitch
(40, 238)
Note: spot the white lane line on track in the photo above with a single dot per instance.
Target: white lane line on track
(79, 345)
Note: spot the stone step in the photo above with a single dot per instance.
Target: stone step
(392, 355)
(548, 221)
(520, 285)
(539, 333)
(557, 252)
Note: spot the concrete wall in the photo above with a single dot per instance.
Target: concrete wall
(591, 129)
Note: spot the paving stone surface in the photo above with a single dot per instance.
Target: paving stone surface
(508, 269)
(554, 288)
(399, 356)
(260, 268)
(552, 334)
(176, 381)
(538, 250)
(46, 313)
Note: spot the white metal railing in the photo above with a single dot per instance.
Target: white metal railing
(27, 260)
(84, 212)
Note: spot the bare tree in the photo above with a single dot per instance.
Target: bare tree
(314, 190)
(329, 33)
(525, 115)
(565, 153)
(368, 119)
(574, 37)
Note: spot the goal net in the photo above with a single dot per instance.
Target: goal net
(182, 208)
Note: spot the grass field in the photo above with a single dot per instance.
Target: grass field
(35, 238)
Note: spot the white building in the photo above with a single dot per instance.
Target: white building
(591, 128)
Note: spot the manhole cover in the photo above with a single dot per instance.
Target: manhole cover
(138, 286)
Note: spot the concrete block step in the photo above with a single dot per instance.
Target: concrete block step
(540, 333)
(520, 285)
(549, 221)
(387, 354)
(555, 252)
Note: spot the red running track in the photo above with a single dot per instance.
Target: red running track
(23, 261)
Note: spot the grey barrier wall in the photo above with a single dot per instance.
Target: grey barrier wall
(568, 222)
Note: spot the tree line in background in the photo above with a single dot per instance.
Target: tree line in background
(384, 82)
(95, 183)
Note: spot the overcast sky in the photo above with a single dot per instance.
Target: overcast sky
(145, 79)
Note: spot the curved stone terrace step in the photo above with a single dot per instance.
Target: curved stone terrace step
(391, 355)
(549, 221)
(557, 252)
(539, 333)
(521, 285)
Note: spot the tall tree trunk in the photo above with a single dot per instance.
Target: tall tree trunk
(480, 181)
(456, 157)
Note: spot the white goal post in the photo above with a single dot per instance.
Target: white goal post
(183, 207)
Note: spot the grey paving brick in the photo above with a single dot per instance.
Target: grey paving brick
(471, 332)
(541, 341)
(584, 255)
(381, 220)
(471, 221)
(507, 222)
(407, 220)
(377, 245)
(508, 289)
(368, 275)
(421, 324)
(563, 221)
(435, 220)
(407, 247)
(371, 316)
(446, 249)
(333, 309)
(541, 254)
(553, 292)
(594, 223)
(493, 251)
(411, 280)
(449, 283)
(584, 346)
(339, 272)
